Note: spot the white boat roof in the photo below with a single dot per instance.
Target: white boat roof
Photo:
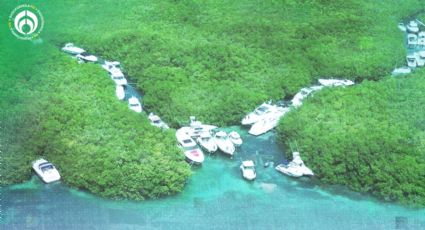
(132, 100)
(205, 134)
(248, 163)
(221, 134)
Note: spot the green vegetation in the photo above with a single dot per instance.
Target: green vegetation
(369, 137)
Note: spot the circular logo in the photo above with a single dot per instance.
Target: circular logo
(26, 22)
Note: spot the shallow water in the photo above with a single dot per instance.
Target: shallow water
(216, 197)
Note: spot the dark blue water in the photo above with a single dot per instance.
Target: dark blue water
(216, 197)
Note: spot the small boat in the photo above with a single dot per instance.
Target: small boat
(46, 170)
(206, 141)
(248, 170)
(155, 120)
(71, 49)
(86, 57)
(120, 92)
(258, 113)
(235, 138)
(268, 123)
(295, 168)
(118, 78)
(110, 65)
(412, 40)
(335, 82)
(223, 142)
(196, 127)
(191, 151)
(134, 104)
(412, 27)
(402, 27)
(401, 71)
(411, 61)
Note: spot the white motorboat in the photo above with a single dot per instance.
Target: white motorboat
(86, 57)
(248, 170)
(191, 151)
(235, 138)
(196, 127)
(402, 27)
(110, 65)
(224, 143)
(258, 113)
(401, 71)
(336, 82)
(411, 61)
(420, 58)
(206, 141)
(134, 104)
(118, 78)
(268, 123)
(156, 121)
(120, 92)
(46, 170)
(300, 96)
(71, 49)
(295, 168)
(412, 27)
(412, 40)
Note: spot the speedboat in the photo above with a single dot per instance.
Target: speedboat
(86, 57)
(224, 143)
(155, 120)
(120, 92)
(248, 170)
(258, 113)
(191, 151)
(108, 65)
(412, 27)
(335, 82)
(196, 127)
(71, 49)
(402, 27)
(268, 123)
(235, 138)
(401, 71)
(206, 141)
(420, 58)
(119, 78)
(134, 104)
(412, 40)
(411, 61)
(45, 170)
(295, 168)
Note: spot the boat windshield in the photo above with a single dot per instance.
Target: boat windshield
(156, 121)
(134, 105)
(261, 110)
(188, 148)
(46, 167)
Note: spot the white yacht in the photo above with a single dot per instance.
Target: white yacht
(335, 82)
(191, 151)
(412, 27)
(71, 49)
(196, 127)
(206, 141)
(235, 138)
(412, 40)
(86, 57)
(224, 143)
(155, 120)
(248, 170)
(111, 65)
(258, 113)
(120, 92)
(401, 71)
(269, 122)
(295, 168)
(134, 104)
(45, 170)
(402, 27)
(411, 61)
(118, 78)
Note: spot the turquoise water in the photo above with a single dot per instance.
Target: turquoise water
(216, 197)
